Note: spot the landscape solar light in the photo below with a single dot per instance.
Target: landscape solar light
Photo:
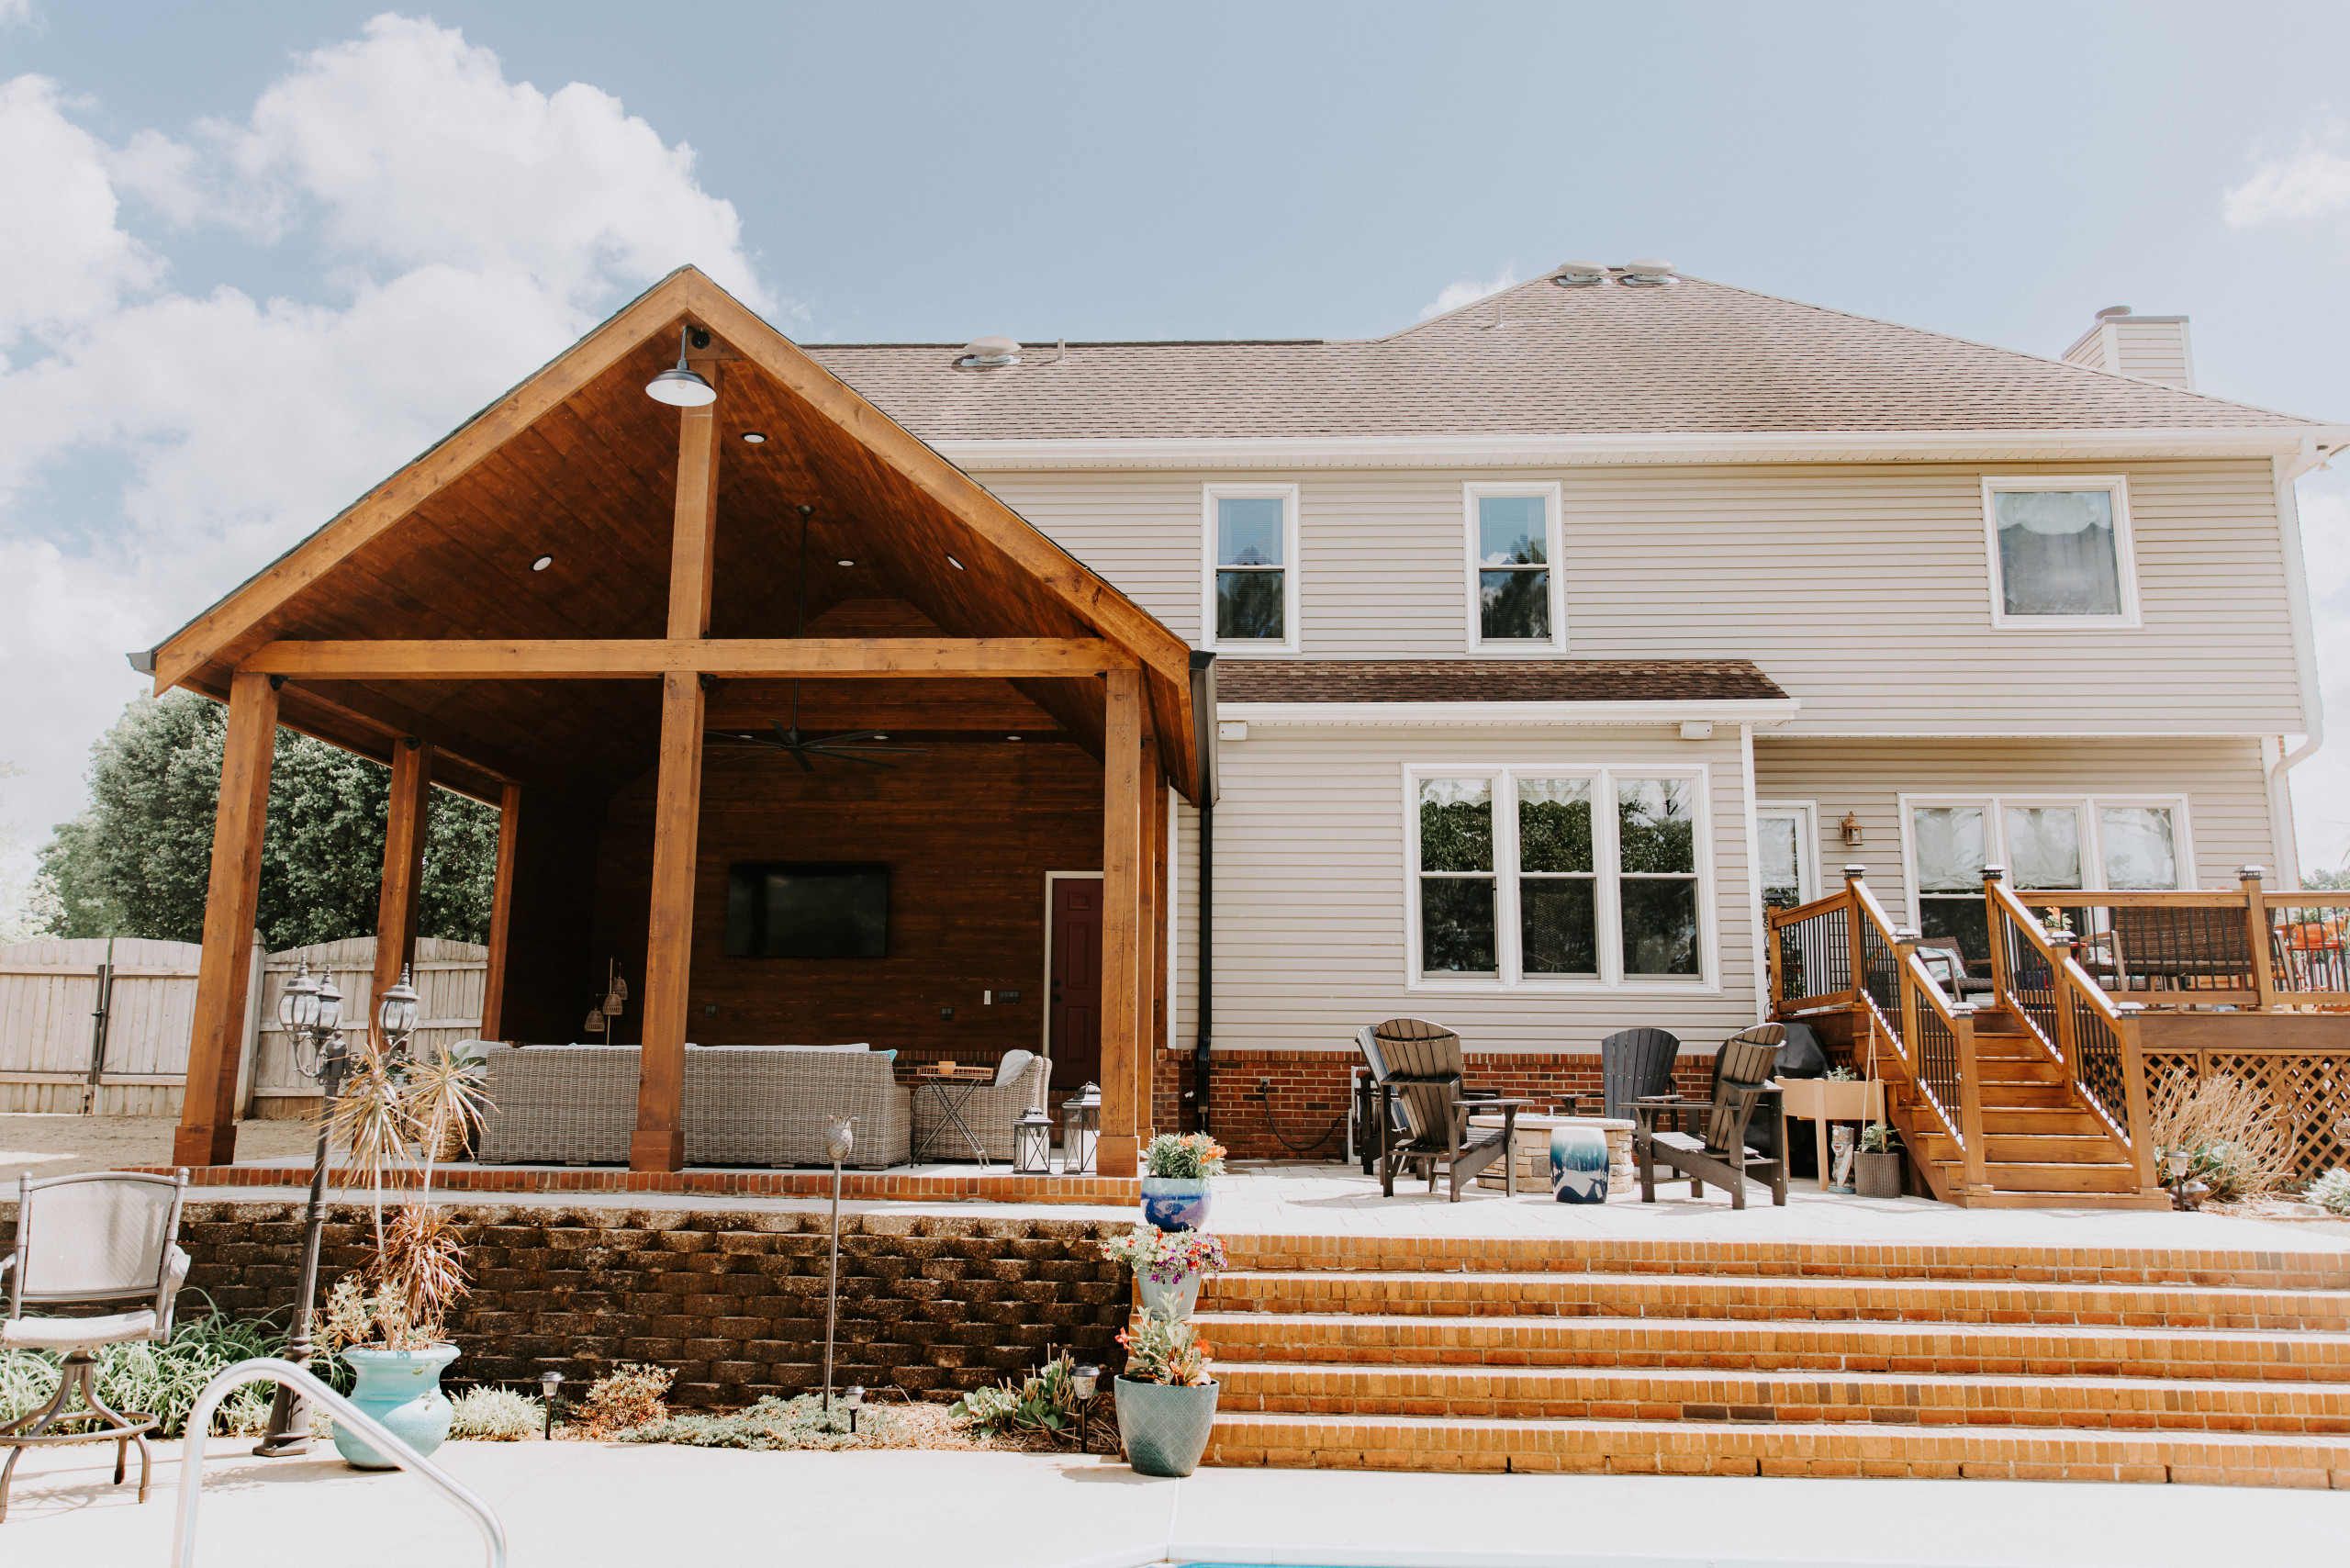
(1084, 1380)
(853, 1400)
(550, 1384)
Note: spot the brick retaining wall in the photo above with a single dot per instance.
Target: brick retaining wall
(732, 1302)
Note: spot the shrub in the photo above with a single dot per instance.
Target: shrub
(631, 1394)
(1164, 1349)
(2228, 1130)
(163, 1379)
(1191, 1158)
(497, 1415)
(1166, 1256)
(772, 1423)
(1045, 1401)
(2332, 1191)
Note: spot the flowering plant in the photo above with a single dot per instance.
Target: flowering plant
(1167, 1349)
(1166, 1256)
(1191, 1157)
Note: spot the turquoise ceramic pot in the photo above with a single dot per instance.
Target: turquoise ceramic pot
(1164, 1427)
(1176, 1300)
(1176, 1203)
(402, 1389)
(1579, 1165)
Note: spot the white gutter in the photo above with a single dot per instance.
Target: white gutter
(1764, 1000)
(1741, 712)
(1729, 446)
(2297, 604)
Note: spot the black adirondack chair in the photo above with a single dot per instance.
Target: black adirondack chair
(1722, 1155)
(1419, 1079)
(1633, 1064)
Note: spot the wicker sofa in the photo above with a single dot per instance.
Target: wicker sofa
(991, 1113)
(744, 1106)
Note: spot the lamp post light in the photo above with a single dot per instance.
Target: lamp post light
(396, 1013)
(840, 1139)
(311, 1011)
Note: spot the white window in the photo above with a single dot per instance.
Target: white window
(2060, 552)
(1250, 604)
(1787, 851)
(1582, 876)
(2044, 844)
(1517, 598)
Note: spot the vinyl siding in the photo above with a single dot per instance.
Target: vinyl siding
(2224, 781)
(1310, 898)
(1864, 589)
(2154, 350)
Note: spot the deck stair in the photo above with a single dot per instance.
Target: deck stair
(1781, 1359)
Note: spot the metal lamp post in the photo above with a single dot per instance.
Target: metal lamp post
(840, 1138)
(311, 1013)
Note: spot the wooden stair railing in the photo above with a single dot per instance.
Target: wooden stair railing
(2084, 1031)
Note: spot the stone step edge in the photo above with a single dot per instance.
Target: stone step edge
(2338, 1297)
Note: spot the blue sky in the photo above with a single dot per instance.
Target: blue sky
(263, 253)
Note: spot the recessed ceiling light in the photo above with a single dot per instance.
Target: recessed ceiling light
(1012, 737)
(844, 563)
(880, 737)
(542, 562)
(954, 563)
(754, 437)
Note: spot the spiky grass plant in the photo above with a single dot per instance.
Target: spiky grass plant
(2228, 1129)
(496, 1415)
(163, 1379)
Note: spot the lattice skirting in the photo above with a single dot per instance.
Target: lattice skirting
(2309, 1089)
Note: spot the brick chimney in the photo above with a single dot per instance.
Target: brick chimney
(2150, 348)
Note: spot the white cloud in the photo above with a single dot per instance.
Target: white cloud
(1466, 292)
(158, 446)
(18, 13)
(2307, 181)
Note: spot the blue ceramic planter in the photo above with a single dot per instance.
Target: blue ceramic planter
(1579, 1165)
(1164, 1426)
(402, 1389)
(1176, 1203)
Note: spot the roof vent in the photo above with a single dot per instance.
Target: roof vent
(2110, 311)
(985, 353)
(1648, 273)
(1579, 274)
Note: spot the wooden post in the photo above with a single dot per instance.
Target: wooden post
(501, 913)
(1993, 922)
(2133, 1095)
(2258, 935)
(2068, 1043)
(1162, 879)
(1124, 1070)
(1854, 963)
(207, 1130)
(659, 1142)
(1150, 871)
(406, 820)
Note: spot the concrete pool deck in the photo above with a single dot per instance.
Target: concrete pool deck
(575, 1504)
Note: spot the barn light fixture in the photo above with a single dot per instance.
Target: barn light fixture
(542, 562)
(754, 437)
(678, 387)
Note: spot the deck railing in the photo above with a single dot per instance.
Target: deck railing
(1811, 954)
(2245, 947)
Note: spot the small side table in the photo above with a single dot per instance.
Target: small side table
(1820, 1101)
(949, 1093)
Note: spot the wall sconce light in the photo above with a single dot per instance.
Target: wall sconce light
(1850, 828)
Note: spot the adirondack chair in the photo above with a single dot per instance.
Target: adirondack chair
(1741, 1089)
(1634, 1063)
(1418, 1078)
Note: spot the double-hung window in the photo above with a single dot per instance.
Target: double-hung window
(2060, 555)
(1516, 601)
(1538, 876)
(2045, 844)
(1251, 603)
(1788, 846)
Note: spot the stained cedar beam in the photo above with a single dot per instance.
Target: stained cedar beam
(612, 658)
(405, 818)
(501, 914)
(1124, 1067)
(208, 1129)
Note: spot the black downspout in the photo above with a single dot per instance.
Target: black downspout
(1204, 731)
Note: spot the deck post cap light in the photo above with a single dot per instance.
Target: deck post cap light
(678, 387)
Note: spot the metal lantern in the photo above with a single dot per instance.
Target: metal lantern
(297, 1004)
(1032, 1143)
(1080, 1126)
(330, 1005)
(595, 1023)
(396, 1012)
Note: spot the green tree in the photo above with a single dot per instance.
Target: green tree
(138, 862)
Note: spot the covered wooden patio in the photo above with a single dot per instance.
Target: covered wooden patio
(559, 605)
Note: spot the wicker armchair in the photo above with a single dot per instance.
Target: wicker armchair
(990, 1112)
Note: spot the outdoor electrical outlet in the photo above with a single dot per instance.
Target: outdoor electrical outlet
(947, 1012)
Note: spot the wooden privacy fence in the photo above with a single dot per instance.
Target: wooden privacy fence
(56, 1056)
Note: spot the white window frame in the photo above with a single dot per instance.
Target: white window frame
(1292, 569)
(1507, 942)
(1524, 647)
(1806, 819)
(1994, 832)
(2125, 552)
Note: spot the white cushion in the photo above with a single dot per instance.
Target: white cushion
(1013, 1064)
(72, 1333)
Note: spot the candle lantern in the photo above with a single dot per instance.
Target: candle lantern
(1032, 1143)
(1080, 1125)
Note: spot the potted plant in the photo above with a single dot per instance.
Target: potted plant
(1176, 1171)
(388, 1321)
(1166, 1399)
(1877, 1169)
(1168, 1265)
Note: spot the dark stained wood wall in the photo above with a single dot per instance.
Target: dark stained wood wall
(550, 950)
(968, 831)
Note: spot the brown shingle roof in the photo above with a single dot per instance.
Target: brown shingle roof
(1491, 680)
(1693, 358)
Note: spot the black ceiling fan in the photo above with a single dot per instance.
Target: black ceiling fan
(787, 739)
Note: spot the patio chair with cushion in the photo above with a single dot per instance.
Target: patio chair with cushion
(1417, 1077)
(1723, 1153)
(988, 1112)
(1633, 1064)
(95, 1237)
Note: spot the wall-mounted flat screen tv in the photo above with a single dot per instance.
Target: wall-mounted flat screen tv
(792, 909)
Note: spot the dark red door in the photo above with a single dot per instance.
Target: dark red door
(1077, 982)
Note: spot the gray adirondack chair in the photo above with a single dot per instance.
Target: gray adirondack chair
(1633, 1063)
(1417, 1077)
(1722, 1155)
